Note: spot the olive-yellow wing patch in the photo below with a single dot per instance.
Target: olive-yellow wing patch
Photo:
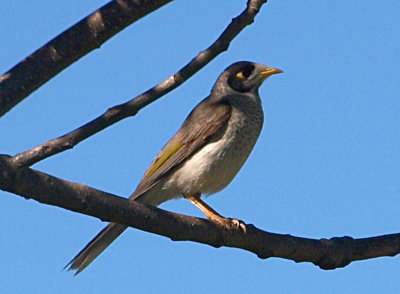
(159, 161)
(199, 127)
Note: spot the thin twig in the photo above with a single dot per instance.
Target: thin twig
(83, 37)
(131, 107)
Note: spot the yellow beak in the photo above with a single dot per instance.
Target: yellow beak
(269, 71)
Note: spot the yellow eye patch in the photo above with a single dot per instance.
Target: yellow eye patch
(240, 75)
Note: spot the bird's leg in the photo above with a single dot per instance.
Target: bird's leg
(214, 216)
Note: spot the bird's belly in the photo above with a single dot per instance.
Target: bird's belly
(214, 166)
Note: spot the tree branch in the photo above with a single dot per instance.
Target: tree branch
(74, 43)
(133, 106)
(327, 254)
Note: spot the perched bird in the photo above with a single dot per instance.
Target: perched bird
(204, 155)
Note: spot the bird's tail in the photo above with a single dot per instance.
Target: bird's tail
(96, 246)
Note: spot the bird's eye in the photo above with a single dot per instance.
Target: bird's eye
(248, 70)
(245, 73)
(240, 75)
(240, 78)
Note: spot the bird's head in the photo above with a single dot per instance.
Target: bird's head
(243, 77)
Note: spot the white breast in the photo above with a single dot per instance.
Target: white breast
(214, 166)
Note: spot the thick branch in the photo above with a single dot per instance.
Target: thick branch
(68, 47)
(327, 254)
(132, 107)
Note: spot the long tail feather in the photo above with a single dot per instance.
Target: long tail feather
(96, 246)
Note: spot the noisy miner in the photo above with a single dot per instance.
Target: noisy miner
(204, 155)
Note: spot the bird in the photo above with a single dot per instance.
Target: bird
(203, 156)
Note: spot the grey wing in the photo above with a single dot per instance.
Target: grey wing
(201, 124)
(199, 127)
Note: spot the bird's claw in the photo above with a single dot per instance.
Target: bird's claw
(230, 223)
(238, 224)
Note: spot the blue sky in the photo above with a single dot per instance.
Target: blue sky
(326, 164)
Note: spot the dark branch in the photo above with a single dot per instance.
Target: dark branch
(68, 47)
(132, 107)
(327, 254)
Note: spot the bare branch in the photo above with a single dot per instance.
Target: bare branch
(327, 254)
(132, 107)
(68, 47)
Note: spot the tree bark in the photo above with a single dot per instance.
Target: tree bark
(83, 37)
(327, 254)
